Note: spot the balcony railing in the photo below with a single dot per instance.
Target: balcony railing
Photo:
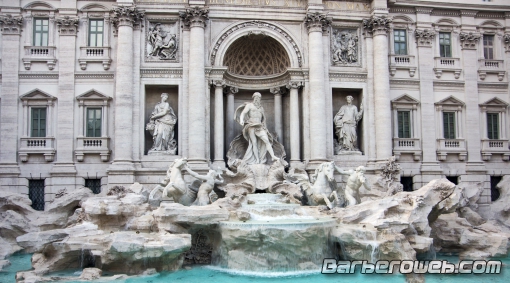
(39, 54)
(90, 54)
(490, 147)
(39, 145)
(95, 145)
(451, 146)
(446, 64)
(407, 145)
(488, 66)
(402, 62)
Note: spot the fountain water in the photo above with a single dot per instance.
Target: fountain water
(275, 238)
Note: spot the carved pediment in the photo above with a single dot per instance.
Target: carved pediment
(39, 5)
(405, 99)
(450, 101)
(93, 95)
(494, 102)
(94, 7)
(37, 94)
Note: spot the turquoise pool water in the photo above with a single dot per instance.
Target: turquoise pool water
(211, 274)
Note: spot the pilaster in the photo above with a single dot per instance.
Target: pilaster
(11, 37)
(219, 132)
(278, 113)
(295, 144)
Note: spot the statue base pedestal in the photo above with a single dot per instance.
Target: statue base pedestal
(159, 152)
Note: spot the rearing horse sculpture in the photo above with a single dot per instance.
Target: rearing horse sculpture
(322, 191)
(176, 187)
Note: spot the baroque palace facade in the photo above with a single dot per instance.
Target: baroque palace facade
(80, 81)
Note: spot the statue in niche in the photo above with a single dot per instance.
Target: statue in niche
(346, 121)
(161, 126)
(345, 47)
(162, 44)
(253, 121)
(355, 180)
(205, 194)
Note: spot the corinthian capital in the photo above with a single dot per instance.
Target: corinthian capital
(67, 25)
(10, 24)
(317, 22)
(194, 17)
(469, 40)
(294, 84)
(506, 40)
(424, 37)
(377, 24)
(127, 16)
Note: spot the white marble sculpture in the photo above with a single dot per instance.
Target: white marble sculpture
(346, 121)
(253, 121)
(355, 180)
(205, 193)
(344, 47)
(161, 126)
(176, 187)
(162, 44)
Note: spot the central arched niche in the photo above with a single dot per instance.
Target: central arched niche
(256, 56)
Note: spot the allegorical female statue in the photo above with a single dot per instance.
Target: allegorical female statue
(346, 121)
(161, 126)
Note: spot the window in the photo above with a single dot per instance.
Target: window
(96, 33)
(445, 44)
(493, 126)
(36, 194)
(449, 125)
(488, 46)
(38, 125)
(94, 185)
(93, 122)
(404, 124)
(400, 41)
(494, 187)
(41, 29)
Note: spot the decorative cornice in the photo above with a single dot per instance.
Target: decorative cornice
(258, 24)
(506, 41)
(447, 13)
(127, 15)
(469, 40)
(424, 37)
(347, 77)
(490, 15)
(423, 10)
(493, 85)
(161, 73)
(67, 25)
(402, 10)
(94, 76)
(377, 25)
(317, 22)
(34, 75)
(468, 13)
(11, 24)
(194, 17)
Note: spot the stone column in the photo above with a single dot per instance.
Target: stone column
(370, 110)
(124, 17)
(294, 121)
(183, 108)
(219, 133)
(379, 26)
(9, 169)
(197, 18)
(316, 22)
(278, 113)
(230, 114)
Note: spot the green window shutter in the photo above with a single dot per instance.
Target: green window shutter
(493, 126)
(445, 45)
(38, 123)
(93, 122)
(41, 32)
(400, 41)
(96, 28)
(404, 124)
(449, 125)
